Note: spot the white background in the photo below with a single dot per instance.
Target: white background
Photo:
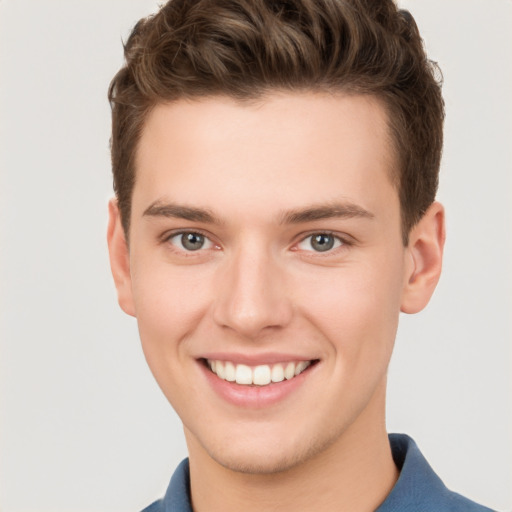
(83, 425)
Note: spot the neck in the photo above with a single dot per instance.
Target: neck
(354, 474)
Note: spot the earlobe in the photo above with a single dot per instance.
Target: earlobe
(425, 258)
(119, 259)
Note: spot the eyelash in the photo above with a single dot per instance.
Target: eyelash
(343, 242)
(169, 236)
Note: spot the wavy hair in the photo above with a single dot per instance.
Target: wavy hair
(247, 48)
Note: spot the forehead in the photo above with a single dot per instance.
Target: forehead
(283, 148)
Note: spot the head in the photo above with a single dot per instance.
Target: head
(244, 49)
(275, 167)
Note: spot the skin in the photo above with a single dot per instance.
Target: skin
(259, 287)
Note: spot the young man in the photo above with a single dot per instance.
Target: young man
(275, 167)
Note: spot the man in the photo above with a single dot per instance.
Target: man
(275, 167)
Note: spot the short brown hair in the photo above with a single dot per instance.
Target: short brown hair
(246, 48)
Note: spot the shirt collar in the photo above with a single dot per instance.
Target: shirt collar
(177, 497)
(417, 488)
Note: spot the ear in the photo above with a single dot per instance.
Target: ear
(119, 258)
(425, 258)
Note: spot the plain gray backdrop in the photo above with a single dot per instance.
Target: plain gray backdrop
(83, 425)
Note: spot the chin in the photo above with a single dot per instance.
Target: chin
(257, 464)
(266, 458)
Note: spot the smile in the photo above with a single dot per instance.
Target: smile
(261, 375)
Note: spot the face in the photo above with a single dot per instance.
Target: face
(266, 270)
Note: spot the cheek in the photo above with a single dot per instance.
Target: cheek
(169, 304)
(168, 309)
(357, 310)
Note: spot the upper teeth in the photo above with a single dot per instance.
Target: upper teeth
(259, 375)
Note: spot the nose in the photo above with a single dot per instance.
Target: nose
(252, 297)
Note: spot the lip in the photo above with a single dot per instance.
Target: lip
(255, 359)
(255, 397)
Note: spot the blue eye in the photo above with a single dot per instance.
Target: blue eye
(190, 241)
(320, 242)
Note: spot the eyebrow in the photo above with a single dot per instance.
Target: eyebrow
(176, 211)
(298, 216)
(329, 211)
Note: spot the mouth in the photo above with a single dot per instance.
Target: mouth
(261, 375)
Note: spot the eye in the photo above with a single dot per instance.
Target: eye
(190, 241)
(320, 242)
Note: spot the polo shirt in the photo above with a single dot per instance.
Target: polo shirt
(418, 488)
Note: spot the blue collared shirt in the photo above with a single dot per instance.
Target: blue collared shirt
(418, 488)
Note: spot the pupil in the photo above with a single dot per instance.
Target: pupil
(322, 242)
(192, 241)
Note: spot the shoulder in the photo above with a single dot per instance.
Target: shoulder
(458, 503)
(157, 506)
(418, 487)
(177, 497)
